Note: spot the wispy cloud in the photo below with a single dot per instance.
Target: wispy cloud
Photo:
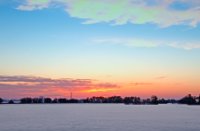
(30, 5)
(134, 42)
(29, 85)
(141, 84)
(148, 43)
(161, 77)
(118, 12)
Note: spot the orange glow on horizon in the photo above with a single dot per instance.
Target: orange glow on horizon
(99, 90)
(82, 88)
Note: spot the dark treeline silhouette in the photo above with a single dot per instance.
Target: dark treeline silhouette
(154, 100)
(190, 100)
(11, 102)
(1, 100)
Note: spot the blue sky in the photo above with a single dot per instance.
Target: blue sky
(72, 39)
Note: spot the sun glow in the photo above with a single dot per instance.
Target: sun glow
(99, 90)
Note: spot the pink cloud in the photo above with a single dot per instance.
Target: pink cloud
(20, 86)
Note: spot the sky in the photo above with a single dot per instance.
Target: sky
(99, 48)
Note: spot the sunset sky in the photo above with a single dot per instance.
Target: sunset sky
(99, 48)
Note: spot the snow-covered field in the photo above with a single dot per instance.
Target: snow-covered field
(99, 117)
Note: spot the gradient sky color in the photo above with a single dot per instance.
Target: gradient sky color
(99, 47)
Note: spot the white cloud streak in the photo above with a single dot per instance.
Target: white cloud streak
(118, 12)
(145, 43)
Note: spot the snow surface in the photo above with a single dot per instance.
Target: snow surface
(99, 117)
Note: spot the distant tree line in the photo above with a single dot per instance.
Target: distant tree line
(154, 100)
(1, 100)
(47, 100)
(190, 100)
